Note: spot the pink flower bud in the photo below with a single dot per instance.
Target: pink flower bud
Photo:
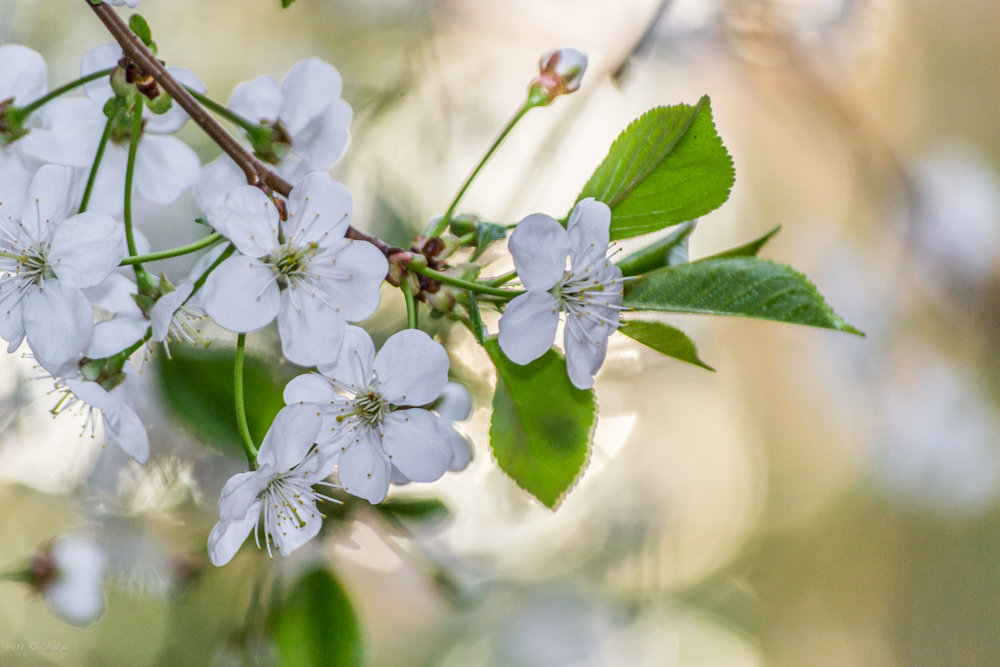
(560, 72)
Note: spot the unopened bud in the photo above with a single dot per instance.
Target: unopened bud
(464, 224)
(442, 299)
(559, 72)
(11, 122)
(121, 82)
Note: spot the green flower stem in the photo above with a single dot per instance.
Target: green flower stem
(92, 178)
(476, 319)
(502, 280)
(248, 125)
(411, 305)
(52, 94)
(241, 410)
(446, 218)
(206, 242)
(479, 288)
(142, 277)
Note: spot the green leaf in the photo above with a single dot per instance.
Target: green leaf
(285, 4)
(749, 249)
(487, 233)
(541, 426)
(742, 286)
(669, 250)
(197, 385)
(141, 29)
(665, 339)
(317, 624)
(425, 512)
(667, 167)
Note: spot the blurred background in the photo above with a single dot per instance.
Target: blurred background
(819, 500)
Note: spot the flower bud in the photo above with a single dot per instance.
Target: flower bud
(69, 573)
(442, 299)
(560, 73)
(11, 122)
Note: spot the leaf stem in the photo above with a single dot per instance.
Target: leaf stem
(205, 242)
(411, 305)
(142, 277)
(233, 117)
(65, 88)
(479, 288)
(446, 218)
(92, 178)
(241, 411)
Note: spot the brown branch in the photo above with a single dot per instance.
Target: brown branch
(256, 172)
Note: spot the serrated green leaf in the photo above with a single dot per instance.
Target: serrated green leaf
(749, 249)
(741, 286)
(668, 166)
(197, 386)
(665, 339)
(669, 250)
(140, 27)
(541, 426)
(317, 625)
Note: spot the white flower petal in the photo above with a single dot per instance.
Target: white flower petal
(309, 388)
(24, 75)
(257, 100)
(112, 336)
(454, 403)
(175, 117)
(461, 450)
(241, 294)
(539, 246)
(15, 176)
(412, 368)
(589, 231)
(48, 201)
(355, 363)
(65, 131)
(108, 193)
(165, 307)
(322, 141)
(309, 87)
(416, 444)
(123, 427)
(292, 433)
(364, 470)
(311, 332)
(76, 594)
(217, 178)
(100, 57)
(228, 535)
(528, 326)
(248, 218)
(11, 321)
(586, 347)
(351, 274)
(319, 210)
(57, 321)
(86, 249)
(164, 168)
(291, 529)
(114, 294)
(242, 490)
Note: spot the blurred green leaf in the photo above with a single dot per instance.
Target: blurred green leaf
(541, 426)
(669, 250)
(285, 4)
(317, 625)
(420, 511)
(749, 249)
(668, 166)
(741, 286)
(665, 339)
(197, 386)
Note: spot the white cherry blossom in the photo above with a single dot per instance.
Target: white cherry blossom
(60, 132)
(453, 405)
(69, 574)
(47, 258)
(589, 291)
(79, 391)
(306, 107)
(302, 271)
(280, 490)
(165, 166)
(118, 3)
(370, 407)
